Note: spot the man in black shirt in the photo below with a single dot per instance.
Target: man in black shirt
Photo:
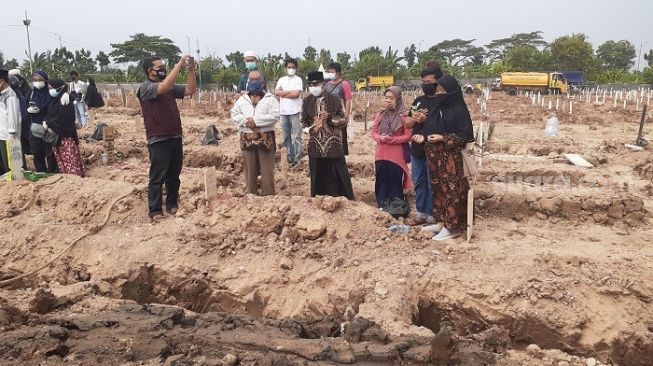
(419, 166)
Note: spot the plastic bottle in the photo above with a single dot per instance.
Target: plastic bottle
(552, 125)
(400, 229)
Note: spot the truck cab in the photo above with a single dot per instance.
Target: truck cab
(361, 84)
(558, 83)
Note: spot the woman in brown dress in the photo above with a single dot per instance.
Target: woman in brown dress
(447, 130)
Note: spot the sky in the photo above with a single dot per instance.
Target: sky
(278, 26)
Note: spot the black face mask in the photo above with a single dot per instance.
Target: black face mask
(161, 73)
(73, 79)
(428, 89)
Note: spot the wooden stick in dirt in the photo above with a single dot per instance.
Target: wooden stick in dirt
(640, 136)
(210, 186)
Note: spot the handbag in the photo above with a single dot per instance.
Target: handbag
(396, 207)
(469, 162)
(38, 130)
(47, 135)
(51, 137)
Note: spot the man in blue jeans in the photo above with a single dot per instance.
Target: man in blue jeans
(419, 166)
(289, 89)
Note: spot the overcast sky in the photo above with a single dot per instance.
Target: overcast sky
(338, 25)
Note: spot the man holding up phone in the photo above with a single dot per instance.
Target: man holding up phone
(419, 165)
(163, 130)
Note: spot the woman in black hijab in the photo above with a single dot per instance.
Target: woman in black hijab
(447, 130)
(60, 118)
(93, 96)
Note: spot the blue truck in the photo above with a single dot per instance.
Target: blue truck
(575, 79)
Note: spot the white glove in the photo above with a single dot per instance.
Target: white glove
(65, 99)
(33, 110)
(75, 102)
(45, 125)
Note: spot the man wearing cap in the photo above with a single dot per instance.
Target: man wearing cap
(255, 115)
(323, 117)
(163, 130)
(9, 119)
(251, 60)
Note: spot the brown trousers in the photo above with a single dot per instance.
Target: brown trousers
(259, 162)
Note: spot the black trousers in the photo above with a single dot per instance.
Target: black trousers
(4, 158)
(166, 159)
(44, 160)
(330, 177)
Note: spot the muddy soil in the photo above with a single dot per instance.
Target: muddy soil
(559, 271)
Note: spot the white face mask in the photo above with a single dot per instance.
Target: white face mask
(39, 84)
(330, 76)
(54, 93)
(315, 90)
(292, 72)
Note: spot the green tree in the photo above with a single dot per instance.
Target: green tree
(373, 50)
(7, 64)
(647, 75)
(227, 77)
(499, 47)
(457, 51)
(210, 67)
(310, 53)
(102, 60)
(272, 67)
(573, 52)
(236, 60)
(649, 57)
(141, 45)
(83, 62)
(410, 55)
(617, 55)
(344, 59)
(305, 66)
(325, 58)
(529, 58)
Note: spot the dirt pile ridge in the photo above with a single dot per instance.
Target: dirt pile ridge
(559, 271)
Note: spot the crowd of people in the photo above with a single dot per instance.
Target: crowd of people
(43, 119)
(430, 136)
(417, 148)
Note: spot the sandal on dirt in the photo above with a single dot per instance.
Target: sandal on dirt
(155, 216)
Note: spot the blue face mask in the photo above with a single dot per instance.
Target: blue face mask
(54, 93)
(250, 65)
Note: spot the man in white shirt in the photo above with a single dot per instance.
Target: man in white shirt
(10, 119)
(78, 94)
(289, 89)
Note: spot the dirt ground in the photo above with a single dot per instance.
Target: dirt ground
(559, 271)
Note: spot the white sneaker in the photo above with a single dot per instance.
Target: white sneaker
(435, 228)
(445, 234)
(430, 219)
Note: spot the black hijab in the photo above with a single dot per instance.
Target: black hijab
(41, 96)
(451, 116)
(61, 118)
(93, 97)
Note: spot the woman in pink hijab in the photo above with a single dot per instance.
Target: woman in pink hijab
(392, 151)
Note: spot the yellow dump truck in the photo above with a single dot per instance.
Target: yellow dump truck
(553, 82)
(375, 82)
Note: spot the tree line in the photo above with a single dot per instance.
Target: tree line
(611, 62)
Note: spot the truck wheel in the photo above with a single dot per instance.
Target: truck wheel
(512, 91)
